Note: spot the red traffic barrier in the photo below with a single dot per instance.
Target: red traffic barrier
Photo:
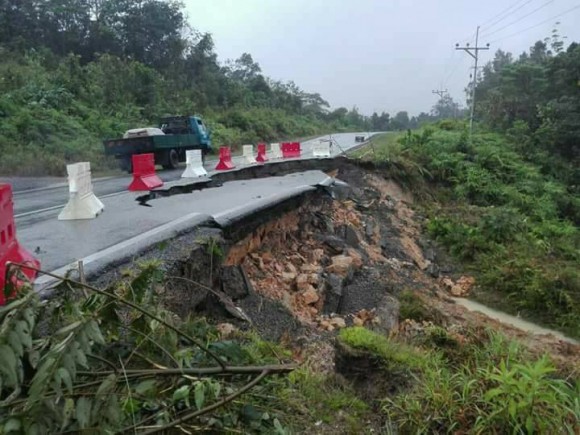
(10, 249)
(290, 150)
(225, 162)
(144, 176)
(261, 157)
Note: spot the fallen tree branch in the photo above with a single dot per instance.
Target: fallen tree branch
(232, 370)
(125, 302)
(207, 409)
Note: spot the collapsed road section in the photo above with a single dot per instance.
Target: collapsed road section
(313, 261)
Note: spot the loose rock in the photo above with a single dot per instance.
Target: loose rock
(310, 296)
(340, 265)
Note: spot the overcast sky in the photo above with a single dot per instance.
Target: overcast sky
(376, 54)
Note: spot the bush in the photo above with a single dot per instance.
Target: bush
(494, 388)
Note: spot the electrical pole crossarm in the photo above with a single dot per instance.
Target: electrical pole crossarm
(468, 50)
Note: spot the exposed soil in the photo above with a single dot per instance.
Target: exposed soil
(305, 269)
(330, 262)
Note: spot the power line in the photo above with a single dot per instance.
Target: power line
(452, 72)
(519, 19)
(487, 27)
(536, 25)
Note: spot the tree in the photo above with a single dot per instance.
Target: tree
(445, 108)
(400, 121)
(380, 122)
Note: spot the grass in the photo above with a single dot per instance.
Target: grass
(495, 387)
(394, 355)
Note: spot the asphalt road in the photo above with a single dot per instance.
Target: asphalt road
(125, 227)
(52, 196)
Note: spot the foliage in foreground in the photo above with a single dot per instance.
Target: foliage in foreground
(511, 224)
(116, 361)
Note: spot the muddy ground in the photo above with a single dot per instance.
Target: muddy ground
(306, 268)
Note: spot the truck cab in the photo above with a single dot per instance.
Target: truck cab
(186, 125)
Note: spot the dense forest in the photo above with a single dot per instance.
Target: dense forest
(535, 100)
(73, 72)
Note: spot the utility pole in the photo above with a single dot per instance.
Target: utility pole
(440, 92)
(473, 52)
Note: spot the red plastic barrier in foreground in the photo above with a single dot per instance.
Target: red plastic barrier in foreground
(261, 157)
(225, 162)
(10, 249)
(290, 150)
(144, 176)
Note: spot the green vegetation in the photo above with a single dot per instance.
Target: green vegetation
(74, 73)
(466, 380)
(395, 356)
(117, 361)
(411, 307)
(514, 227)
(490, 386)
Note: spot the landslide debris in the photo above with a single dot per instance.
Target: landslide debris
(332, 263)
(306, 271)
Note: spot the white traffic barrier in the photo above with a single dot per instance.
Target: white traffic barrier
(82, 203)
(276, 151)
(194, 162)
(321, 149)
(248, 154)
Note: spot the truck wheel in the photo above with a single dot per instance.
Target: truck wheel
(172, 160)
(127, 165)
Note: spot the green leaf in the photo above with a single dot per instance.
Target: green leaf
(24, 333)
(12, 425)
(15, 343)
(83, 412)
(131, 406)
(529, 424)
(8, 365)
(216, 388)
(66, 378)
(95, 332)
(33, 358)
(66, 329)
(494, 392)
(81, 358)
(146, 386)
(34, 429)
(182, 393)
(30, 317)
(279, 428)
(199, 395)
(69, 409)
(512, 409)
(40, 378)
(107, 385)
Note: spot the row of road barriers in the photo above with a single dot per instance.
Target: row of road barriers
(83, 204)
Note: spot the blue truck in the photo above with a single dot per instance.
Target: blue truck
(168, 142)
